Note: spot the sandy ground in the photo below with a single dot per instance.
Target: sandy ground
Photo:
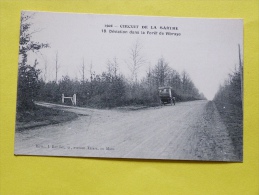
(186, 131)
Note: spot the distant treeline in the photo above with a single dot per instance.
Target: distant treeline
(111, 89)
(231, 91)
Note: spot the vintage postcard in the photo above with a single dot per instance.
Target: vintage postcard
(142, 87)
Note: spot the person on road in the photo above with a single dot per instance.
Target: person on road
(174, 100)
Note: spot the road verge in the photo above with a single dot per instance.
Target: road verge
(41, 116)
(232, 117)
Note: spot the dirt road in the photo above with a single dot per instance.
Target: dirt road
(187, 131)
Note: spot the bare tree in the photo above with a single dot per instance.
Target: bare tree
(185, 82)
(57, 66)
(112, 67)
(82, 70)
(45, 68)
(91, 71)
(136, 60)
(149, 76)
(161, 72)
(175, 81)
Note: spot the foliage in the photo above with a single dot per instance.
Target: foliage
(182, 85)
(28, 75)
(231, 91)
(28, 86)
(111, 89)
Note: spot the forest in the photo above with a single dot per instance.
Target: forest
(106, 90)
(111, 89)
(231, 92)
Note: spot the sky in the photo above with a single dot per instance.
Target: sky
(207, 49)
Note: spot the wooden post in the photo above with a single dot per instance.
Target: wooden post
(74, 99)
(63, 97)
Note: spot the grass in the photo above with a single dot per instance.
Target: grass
(41, 116)
(232, 117)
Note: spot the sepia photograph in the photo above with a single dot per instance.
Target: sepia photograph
(134, 87)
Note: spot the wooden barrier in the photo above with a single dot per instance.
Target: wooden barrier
(73, 99)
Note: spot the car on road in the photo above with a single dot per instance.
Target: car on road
(165, 95)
